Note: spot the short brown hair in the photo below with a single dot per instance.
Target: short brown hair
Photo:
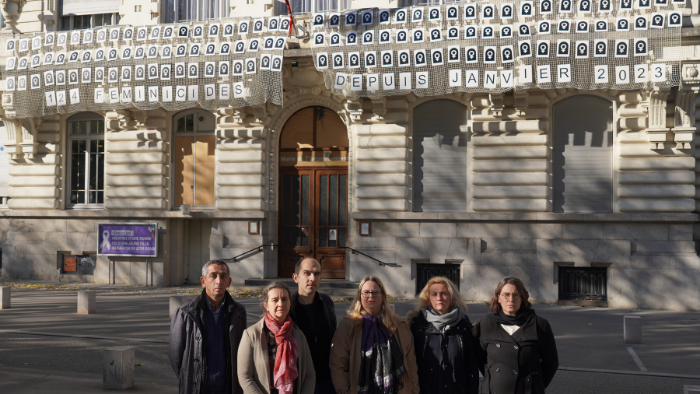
(510, 280)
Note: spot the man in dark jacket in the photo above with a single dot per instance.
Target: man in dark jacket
(205, 334)
(314, 314)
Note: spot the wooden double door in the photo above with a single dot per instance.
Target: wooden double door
(313, 218)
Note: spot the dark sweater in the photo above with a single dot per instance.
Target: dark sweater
(216, 350)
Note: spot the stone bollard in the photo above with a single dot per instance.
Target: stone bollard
(687, 389)
(175, 302)
(5, 297)
(87, 301)
(633, 329)
(118, 371)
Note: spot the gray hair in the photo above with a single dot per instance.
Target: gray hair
(205, 268)
(275, 285)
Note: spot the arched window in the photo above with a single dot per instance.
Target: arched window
(582, 135)
(193, 156)
(86, 145)
(440, 157)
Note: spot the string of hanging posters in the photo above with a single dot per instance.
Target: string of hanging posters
(227, 63)
(497, 46)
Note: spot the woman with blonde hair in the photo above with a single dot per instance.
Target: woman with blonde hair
(372, 349)
(442, 337)
(517, 351)
(273, 357)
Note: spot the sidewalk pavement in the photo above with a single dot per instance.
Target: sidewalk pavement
(43, 333)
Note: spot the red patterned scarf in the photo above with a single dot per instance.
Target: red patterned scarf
(285, 361)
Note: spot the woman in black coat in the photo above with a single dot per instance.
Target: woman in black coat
(442, 337)
(517, 352)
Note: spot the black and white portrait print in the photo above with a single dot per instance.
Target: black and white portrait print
(274, 23)
(36, 60)
(87, 37)
(194, 50)
(523, 30)
(74, 38)
(401, 36)
(280, 41)
(141, 34)
(335, 40)
(24, 62)
(155, 32)
(404, 57)
(99, 75)
(10, 84)
(623, 24)
(49, 39)
(487, 32)
(265, 61)
(153, 71)
(319, 39)
(546, 7)
(99, 55)
(269, 43)
(601, 26)
(210, 49)
(73, 57)
(102, 35)
(36, 42)
(243, 27)
(87, 56)
(470, 11)
(140, 52)
(85, 75)
(584, 6)
(168, 32)
(565, 6)
(387, 58)
(417, 15)
(12, 62)
(453, 33)
(506, 11)
(640, 47)
(675, 19)
(367, 17)
(228, 30)
(126, 53)
(640, 22)
(62, 40)
(276, 63)
(657, 21)
(183, 31)
(128, 34)
(126, 73)
(318, 20)
(350, 19)
(166, 52)
(351, 38)
(152, 51)
(470, 32)
(621, 48)
(225, 49)
(338, 60)
(542, 48)
(48, 77)
(384, 16)
(604, 6)
(258, 26)
(385, 37)
(400, 16)
(213, 30)
(434, 14)
(544, 27)
(114, 34)
(526, 9)
(582, 27)
(36, 81)
(453, 54)
(452, 12)
(435, 34)
(60, 59)
(22, 82)
(488, 12)
(564, 26)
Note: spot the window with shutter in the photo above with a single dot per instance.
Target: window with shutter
(194, 158)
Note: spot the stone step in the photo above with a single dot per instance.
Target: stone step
(326, 284)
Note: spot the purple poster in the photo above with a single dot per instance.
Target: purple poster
(127, 239)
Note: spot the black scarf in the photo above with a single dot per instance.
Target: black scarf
(381, 360)
(519, 319)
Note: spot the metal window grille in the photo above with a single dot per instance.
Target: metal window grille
(590, 284)
(427, 271)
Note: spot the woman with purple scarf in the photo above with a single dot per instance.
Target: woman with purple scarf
(372, 350)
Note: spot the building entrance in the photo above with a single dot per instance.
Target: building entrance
(313, 192)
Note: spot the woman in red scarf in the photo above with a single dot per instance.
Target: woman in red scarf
(273, 357)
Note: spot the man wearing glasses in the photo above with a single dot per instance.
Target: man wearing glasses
(314, 313)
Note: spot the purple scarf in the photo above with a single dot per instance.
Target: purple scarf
(381, 361)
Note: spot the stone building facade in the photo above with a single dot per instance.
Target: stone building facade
(474, 183)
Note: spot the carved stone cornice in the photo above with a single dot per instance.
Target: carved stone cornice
(656, 102)
(496, 103)
(684, 119)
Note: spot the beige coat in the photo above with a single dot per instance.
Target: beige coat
(253, 362)
(345, 356)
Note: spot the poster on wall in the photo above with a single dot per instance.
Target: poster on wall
(127, 239)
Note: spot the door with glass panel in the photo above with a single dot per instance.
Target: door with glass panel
(313, 191)
(314, 219)
(86, 167)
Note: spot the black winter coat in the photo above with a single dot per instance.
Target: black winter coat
(187, 344)
(523, 363)
(447, 362)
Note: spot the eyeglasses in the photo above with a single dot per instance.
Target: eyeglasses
(373, 294)
(509, 295)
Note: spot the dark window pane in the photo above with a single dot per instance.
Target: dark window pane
(323, 237)
(295, 236)
(343, 204)
(189, 122)
(181, 124)
(323, 196)
(304, 200)
(333, 219)
(342, 234)
(286, 199)
(100, 198)
(295, 200)
(304, 237)
(286, 236)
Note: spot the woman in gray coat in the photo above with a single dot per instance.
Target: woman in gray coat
(273, 357)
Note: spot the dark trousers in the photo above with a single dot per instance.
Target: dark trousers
(324, 387)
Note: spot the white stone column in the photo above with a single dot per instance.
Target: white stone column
(5, 297)
(87, 302)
